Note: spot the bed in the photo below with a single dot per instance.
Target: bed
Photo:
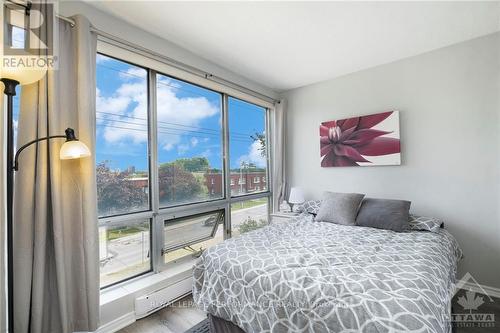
(306, 276)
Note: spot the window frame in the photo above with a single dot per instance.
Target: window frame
(154, 74)
(149, 143)
(196, 240)
(133, 217)
(156, 213)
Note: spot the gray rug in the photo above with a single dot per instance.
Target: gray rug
(202, 327)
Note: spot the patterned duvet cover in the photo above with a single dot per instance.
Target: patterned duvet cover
(305, 276)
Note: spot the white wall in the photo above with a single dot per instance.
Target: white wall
(450, 135)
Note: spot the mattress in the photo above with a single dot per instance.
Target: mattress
(307, 276)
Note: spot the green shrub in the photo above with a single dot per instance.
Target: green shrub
(251, 224)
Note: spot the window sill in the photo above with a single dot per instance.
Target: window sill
(148, 283)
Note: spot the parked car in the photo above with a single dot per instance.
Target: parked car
(210, 221)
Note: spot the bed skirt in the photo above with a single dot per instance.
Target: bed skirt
(219, 325)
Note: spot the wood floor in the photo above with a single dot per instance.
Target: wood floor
(183, 315)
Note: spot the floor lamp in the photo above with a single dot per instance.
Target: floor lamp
(71, 149)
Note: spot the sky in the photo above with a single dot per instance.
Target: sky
(189, 120)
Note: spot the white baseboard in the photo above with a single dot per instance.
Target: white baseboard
(117, 324)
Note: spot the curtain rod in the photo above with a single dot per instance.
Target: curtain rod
(27, 8)
(174, 63)
(67, 19)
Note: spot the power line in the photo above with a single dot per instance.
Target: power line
(159, 121)
(176, 124)
(157, 81)
(242, 104)
(164, 132)
(177, 129)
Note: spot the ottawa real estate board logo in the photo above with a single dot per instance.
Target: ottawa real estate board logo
(29, 36)
(471, 300)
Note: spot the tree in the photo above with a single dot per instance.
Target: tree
(261, 138)
(177, 184)
(115, 192)
(194, 164)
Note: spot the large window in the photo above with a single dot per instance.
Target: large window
(122, 137)
(124, 250)
(247, 128)
(180, 167)
(189, 142)
(122, 169)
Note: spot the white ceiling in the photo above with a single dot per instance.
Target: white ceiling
(284, 45)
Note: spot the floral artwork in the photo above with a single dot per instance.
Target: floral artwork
(361, 141)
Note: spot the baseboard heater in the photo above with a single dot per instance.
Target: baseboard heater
(146, 305)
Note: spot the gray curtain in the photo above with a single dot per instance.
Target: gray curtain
(279, 154)
(56, 260)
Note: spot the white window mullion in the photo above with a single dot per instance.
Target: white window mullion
(227, 166)
(157, 226)
(269, 154)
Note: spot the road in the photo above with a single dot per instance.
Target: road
(130, 254)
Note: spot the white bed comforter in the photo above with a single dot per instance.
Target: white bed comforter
(307, 276)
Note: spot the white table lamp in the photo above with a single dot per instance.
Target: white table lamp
(296, 197)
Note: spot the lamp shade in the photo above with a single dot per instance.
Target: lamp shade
(73, 149)
(23, 76)
(12, 68)
(296, 196)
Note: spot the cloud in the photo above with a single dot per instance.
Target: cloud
(133, 73)
(206, 153)
(194, 141)
(17, 38)
(175, 114)
(182, 149)
(168, 146)
(254, 156)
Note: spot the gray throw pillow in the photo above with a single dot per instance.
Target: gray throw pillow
(424, 223)
(384, 214)
(340, 208)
